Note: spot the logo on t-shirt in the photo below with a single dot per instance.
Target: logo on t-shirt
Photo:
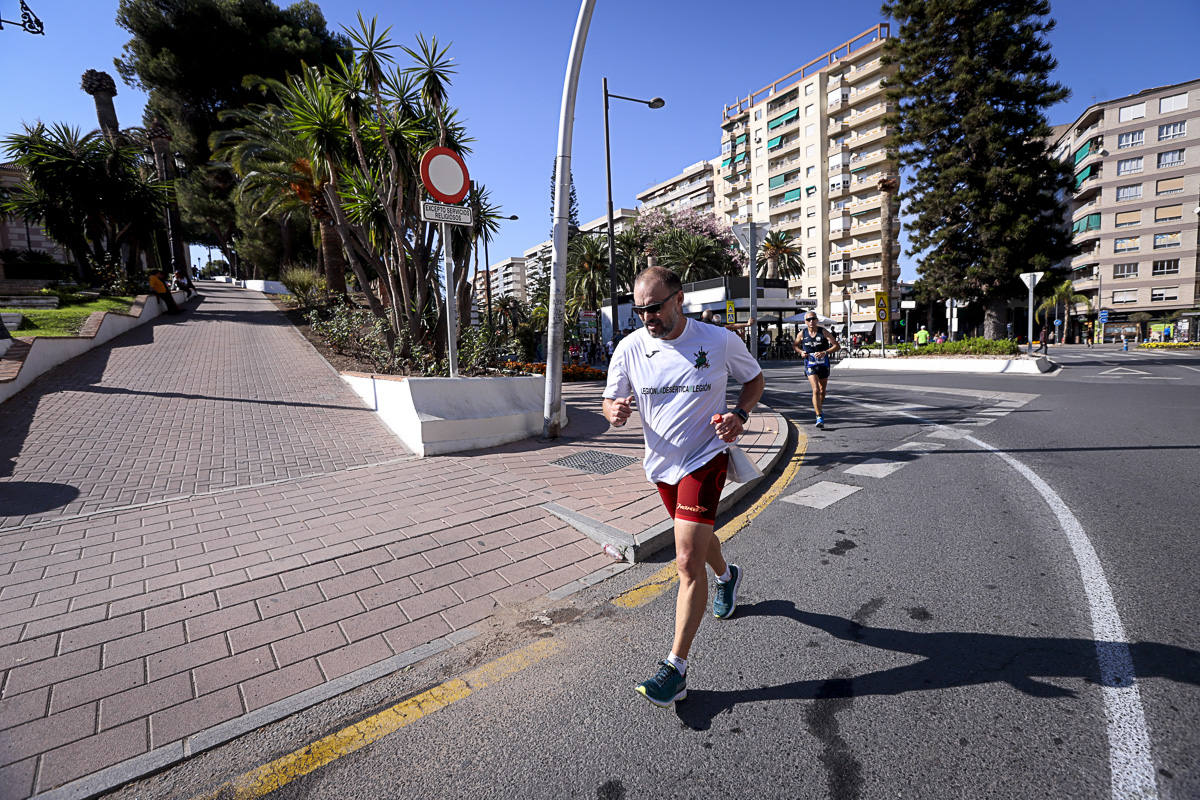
(701, 359)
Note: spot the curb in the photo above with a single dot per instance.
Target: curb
(641, 546)
(982, 366)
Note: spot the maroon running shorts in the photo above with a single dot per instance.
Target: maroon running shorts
(695, 498)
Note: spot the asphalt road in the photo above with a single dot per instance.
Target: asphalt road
(917, 622)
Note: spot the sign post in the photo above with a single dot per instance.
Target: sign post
(730, 312)
(1030, 279)
(445, 176)
(882, 315)
(907, 305)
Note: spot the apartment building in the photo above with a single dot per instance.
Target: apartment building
(539, 257)
(1135, 207)
(690, 190)
(806, 154)
(508, 278)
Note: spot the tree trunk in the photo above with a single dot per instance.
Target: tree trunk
(333, 258)
(772, 267)
(993, 320)
(888, 187)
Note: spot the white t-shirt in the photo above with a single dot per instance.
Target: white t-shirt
(679, 384)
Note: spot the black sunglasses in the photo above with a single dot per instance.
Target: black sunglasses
(810, 319)
(654, 308)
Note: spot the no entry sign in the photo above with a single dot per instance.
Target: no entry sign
(445, 175)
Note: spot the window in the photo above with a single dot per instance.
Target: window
(759, 207)
(1131, 192)
(1168, 186)
(811, 233)
(1171, 158)
(1176, 102)
(810, 129)
(1168, 266)
(1163, 241)
(1126, 244)
(1128, 166)
(1164, 294)
(1168, 213)
(1135, 111)
(810, 191)
(1130, 139)
(1089, 223)
(726, 147)
(1125, 270)
(808, 173)
(757, 114)
(809, 89)
(1124, 296)
(811, 211)
(1172, 130)
(1127, 218)
(812, 252)
(810, 151)
(812, 291)
(809, 109)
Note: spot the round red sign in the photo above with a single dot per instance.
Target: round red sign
(444, 174)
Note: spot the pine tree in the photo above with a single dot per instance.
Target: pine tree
(972, 86)
(572, 203)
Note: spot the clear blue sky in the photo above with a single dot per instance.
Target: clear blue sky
(695, 53)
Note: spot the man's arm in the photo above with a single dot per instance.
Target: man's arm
(729, 426)
(617, 410)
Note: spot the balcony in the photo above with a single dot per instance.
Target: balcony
(865, 204)
(835, 127)
(838, 189)
(869, 136)
(866, 226)
(836, 99)
(868, 114)
(866, 69)
(782, 164)
(862, 160)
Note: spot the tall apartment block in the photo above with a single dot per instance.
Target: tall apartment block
(1135, 206)
(806, 153)
(690, 190)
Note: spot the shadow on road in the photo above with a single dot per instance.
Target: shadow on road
(949, 660)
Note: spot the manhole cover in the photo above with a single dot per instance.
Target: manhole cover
(595, 461)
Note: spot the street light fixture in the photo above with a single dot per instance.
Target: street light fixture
(656, 102)
(487, 262)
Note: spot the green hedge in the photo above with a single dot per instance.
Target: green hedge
(977, 346)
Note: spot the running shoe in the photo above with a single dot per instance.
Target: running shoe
(725, 596)
(665, 687)
(820, 423)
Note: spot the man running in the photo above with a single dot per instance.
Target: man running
(815, 345)
(677, 369)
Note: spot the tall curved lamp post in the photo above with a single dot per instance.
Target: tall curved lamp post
(656, 102)
(487, 262)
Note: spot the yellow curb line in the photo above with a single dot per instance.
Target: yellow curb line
(278, 773)
(664, 578)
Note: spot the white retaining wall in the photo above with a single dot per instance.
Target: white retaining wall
(433, 416)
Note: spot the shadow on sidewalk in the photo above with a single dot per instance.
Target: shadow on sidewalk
(948, 660)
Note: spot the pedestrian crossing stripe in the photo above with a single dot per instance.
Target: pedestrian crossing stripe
(1122, 371)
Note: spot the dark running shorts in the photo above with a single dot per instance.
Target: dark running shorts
(820, 370)
(695, 498)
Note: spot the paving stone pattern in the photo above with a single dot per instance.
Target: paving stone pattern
(303, 544)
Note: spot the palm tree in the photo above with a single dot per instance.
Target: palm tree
(509, 312)
(587, 273)
(1064, 294)
(280, 177)
(630, 247)
(693, 257)
(779, 256)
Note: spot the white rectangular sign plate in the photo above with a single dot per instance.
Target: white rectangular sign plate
(440, 212)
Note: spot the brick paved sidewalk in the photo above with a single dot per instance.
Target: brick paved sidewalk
(304, 562)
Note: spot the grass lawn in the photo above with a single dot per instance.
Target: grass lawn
(67, 319)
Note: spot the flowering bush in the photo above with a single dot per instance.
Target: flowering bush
(657, 223)
(571, 372)
(1169, 345)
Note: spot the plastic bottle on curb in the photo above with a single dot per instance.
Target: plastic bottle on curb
(613, 552)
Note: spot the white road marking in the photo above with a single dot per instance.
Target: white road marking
(921, 447)
(1158, 378)
(1130, 761)
(875, 468)
(1123, 371)
(821, 494)
(1185, 366)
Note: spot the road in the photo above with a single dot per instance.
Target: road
(918, 620)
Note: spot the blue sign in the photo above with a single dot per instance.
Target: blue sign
(1057, 322)
(1104, 316)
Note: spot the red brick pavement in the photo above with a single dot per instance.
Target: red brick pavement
(128, 625)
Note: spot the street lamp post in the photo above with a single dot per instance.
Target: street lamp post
(656, 102)
(487, 262)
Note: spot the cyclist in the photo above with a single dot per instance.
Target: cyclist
(815, 344)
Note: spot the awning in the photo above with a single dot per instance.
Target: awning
(739, 158)
(783, 120)
(794, 194)
(725, 163)
(771, 143)
(776, 181)
(862, 327)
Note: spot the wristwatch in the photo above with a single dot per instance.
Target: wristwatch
(744, 416)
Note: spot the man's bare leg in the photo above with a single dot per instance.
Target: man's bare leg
(818, 393)
(696, 546)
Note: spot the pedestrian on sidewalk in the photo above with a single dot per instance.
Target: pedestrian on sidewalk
(677, 369)
(1044, 346)
(158, 285)
(184, 281)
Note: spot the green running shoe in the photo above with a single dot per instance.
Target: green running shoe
(725, 596)
(665, 687)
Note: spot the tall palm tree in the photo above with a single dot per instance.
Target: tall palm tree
(587, 272)
(1064, 294)
(509, 312)
(630, 247)
(693, 257)
(280, 177)
(780, 256)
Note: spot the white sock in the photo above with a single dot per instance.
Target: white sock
(680, 664)
(727, 577)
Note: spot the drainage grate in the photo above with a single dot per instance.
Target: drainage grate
(595, 461)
